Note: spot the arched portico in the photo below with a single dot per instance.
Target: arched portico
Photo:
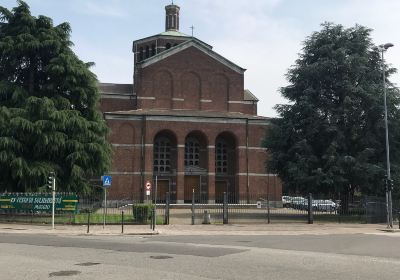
(196, 167)
(226, 162)
(165, 164)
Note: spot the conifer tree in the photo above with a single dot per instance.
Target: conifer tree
(49, 117)
(330, 138)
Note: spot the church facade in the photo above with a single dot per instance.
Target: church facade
(188, 121)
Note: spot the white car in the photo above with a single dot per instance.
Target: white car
(298, 202)
(324, 205)
(286, 200)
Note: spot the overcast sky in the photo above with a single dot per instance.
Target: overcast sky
(263, 36)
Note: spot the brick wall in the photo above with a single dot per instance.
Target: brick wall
(208, 85)
(131, 173)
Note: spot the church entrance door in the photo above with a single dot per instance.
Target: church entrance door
(162, 189)
(220, 188)
(191, 182)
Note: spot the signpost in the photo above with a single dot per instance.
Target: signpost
(148, 189)
(52, 186)
(106, 179)
(155, 207)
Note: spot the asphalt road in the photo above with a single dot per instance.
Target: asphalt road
(353, 256)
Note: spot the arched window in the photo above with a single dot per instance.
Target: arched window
(221, 157)
(168, 46)
(153, 50)
(147, 52)
(162, 155)
(140, 54)
(192, 152)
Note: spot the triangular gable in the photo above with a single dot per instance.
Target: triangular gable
(198, 45)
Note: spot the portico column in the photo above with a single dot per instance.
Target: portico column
(211, 174)
(180, 176)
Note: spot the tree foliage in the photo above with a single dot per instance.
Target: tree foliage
(330, 138)
(49, 118)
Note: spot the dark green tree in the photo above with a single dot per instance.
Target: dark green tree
(330, 138)
(49, 117)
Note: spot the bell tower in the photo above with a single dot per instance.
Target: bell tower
(172, 17)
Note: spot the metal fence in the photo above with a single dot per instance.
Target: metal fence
(222, 209)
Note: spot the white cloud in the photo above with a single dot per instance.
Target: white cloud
(111, 8)
(263, 36)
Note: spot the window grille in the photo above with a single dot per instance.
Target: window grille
(192, 152)
(162, 155)
(221, 158)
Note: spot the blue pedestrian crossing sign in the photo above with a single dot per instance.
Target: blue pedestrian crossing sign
(106, 181)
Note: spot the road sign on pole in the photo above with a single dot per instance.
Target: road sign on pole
(148, 185)
(107, 179)
(148, 188)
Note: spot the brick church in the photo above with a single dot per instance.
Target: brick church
(188, 120)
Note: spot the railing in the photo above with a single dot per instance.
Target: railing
(220, 209)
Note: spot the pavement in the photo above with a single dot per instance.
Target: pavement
(230, 229)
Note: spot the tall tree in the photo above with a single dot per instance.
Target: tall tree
(330, 138)
(49, 118)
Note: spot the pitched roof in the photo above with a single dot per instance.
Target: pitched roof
(173, 33)
(192, 43)
(170, 34)
(188, 113)
(117, 89)
(248, 96)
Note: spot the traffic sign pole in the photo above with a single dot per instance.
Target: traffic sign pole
(105, 207)
(155, 207)
(107, 179)
(53, 202)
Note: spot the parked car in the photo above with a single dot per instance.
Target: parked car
(298, 202)
(324, 205)
(286, 200)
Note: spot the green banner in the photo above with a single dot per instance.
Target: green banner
(39, 202)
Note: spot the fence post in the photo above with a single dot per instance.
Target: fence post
(268, 211)
(153, 218)
(310, 209)
(122, 221)
(193, 207)
(398, 217)
(166, 215)
(225, 209)
(88, 222)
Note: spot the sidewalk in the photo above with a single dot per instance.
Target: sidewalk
(231, 229)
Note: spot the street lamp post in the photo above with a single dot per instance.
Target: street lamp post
(389, 217)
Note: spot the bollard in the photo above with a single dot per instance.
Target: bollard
(154, 218)
(206, 218)
(225, 209)
(193, 208)
(122, 222)
(166, 217)
(310, 210)
(151, 219)
(268, 211)
(88, 222)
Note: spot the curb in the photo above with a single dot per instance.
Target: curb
(390, 230)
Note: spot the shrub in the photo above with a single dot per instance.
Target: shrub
(142, 212)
